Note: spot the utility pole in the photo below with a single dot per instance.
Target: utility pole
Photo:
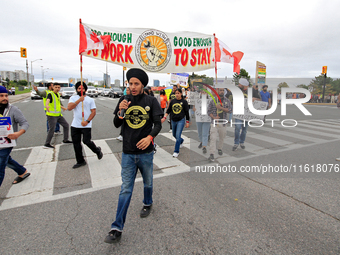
(324, 72)
(27, 72)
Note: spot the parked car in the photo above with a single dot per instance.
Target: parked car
(92, 91)
(67, 92)
(115, 92)
(34, 94)
(105, 92)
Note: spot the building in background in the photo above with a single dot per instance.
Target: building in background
(156, 83)
(17, 75)
(117, 83)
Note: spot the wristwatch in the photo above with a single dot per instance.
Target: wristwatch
(88, 121)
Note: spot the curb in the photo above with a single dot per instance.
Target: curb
(13, 99)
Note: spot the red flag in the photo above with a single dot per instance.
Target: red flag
(90, 41)
(224, 54)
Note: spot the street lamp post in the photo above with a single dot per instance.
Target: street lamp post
(32, 82)
(43, 72)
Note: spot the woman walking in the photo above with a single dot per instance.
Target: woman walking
(179, 111)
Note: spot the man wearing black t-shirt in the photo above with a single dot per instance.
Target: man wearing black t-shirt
(140, 118)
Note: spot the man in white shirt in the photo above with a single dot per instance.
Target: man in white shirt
(82, 126)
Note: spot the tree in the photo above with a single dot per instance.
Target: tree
(282, 85)
(243, 74)
(316, 85)
(205, 79)
(23, 82)
(303, 86)
(336, 86)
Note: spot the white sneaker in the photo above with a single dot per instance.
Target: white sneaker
(175, 155)
(120, 138)
(337, 159)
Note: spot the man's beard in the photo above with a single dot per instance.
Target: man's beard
(79, 93)
(2, 105)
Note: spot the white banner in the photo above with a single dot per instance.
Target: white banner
(248, 115)
(180, 78)
(154, 50)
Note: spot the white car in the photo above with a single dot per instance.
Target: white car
(105, 92)
(67, 92)
(100, 90)
(34, 94)
(92, 91)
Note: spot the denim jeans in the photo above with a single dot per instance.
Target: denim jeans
(238, 126)
(130, 164)
(203, 129)
(177, 128)
(6, 160)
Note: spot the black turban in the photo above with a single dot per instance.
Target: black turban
(79, 83)
(139, 74)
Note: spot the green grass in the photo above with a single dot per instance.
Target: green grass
(17, 92)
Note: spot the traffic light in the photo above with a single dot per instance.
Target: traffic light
(324, 70)
(23, 52)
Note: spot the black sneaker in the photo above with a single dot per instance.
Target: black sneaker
(99, 154)
(211, 158)
(200, 146)
(145, 211)
(242, 146)
(79, 165)
(67, 141)
(48, 146)
(204, 150)
(113, 236)
(235, 147)
(220, 152)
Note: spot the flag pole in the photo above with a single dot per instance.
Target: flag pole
(215, 61)
(81, 81)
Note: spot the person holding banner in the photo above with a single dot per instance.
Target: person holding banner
(82, 127)
(202, 122)
(140, 118)
(179, 111)
(218, 111)
(240, 125)
(16, 116)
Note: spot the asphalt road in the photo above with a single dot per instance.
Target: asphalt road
(193, 212)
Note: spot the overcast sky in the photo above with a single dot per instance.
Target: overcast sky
(293, 38)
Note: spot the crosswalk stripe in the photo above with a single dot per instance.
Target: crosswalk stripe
(292, 134)
(39, 185)
(106, 171)
(322, 129)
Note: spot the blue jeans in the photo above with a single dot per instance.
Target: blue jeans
(238, 126)
(203, 129)
(6, 160)
(177, 128)
(130, 164)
